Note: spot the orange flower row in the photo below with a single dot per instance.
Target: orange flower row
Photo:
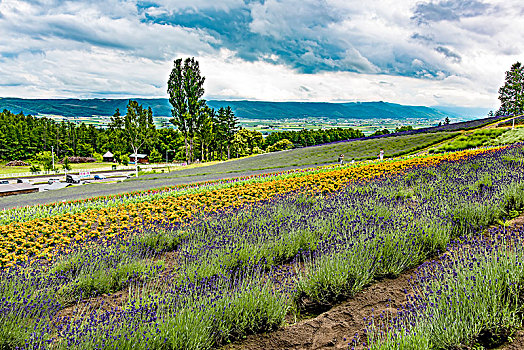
(39, 237)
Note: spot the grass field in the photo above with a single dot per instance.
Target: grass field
(104, 166)
(248, 166)
(358, 150)
(319, 155)
(75, 167)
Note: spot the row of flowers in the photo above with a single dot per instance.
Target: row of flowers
(41, 237)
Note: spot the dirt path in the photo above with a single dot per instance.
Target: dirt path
(335, 328)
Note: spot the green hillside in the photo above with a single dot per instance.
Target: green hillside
(243, 109)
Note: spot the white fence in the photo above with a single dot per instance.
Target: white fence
(93, 170)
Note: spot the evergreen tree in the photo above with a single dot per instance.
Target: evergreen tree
(205, 130)
(230, 127)
(66, 165)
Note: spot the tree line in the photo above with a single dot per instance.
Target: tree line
(313, 137)
(25, 137)
(199, 132)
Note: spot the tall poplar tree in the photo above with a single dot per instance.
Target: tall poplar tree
(186, 88)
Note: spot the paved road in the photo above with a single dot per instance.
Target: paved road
(57, 186)
(223, 170)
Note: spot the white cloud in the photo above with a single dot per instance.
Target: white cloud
(352, 50)
(238, 79)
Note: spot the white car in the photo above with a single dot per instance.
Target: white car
(73, 179)
(53, 180)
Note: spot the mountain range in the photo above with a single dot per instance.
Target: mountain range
(243, 109)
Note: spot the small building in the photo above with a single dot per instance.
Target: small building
(18, 188)
(109, 157)
(140, 158)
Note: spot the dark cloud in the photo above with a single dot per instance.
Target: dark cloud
(303, 47)
(16, 54)
(423, 38)
(448, 53)
(71, 30)
(449, 10)
(297, 34)
(385, 83)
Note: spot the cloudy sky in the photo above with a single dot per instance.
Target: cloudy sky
(447, 52)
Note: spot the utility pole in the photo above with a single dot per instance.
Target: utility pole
(53, 156)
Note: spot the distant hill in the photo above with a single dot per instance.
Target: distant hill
(464, 112)
(356, 110)
(242, 109)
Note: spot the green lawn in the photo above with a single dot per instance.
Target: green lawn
(90, 166)
(82, 166)
(317, 155)
(480, 137)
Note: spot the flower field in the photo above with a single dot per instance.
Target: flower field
(37, 232)
(198, 267)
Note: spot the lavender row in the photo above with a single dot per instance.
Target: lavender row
(468, 297)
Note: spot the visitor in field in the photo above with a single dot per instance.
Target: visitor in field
(381, 154)
(341, 159)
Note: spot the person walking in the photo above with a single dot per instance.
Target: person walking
(381, 154)
(341, 159)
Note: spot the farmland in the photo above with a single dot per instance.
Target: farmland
(198, 266)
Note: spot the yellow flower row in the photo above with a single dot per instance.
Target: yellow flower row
(39, 237)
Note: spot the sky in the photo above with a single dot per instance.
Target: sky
(448, 52)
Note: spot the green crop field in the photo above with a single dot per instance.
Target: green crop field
(323, 154)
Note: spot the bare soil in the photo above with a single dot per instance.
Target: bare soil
(517, 342)
(337, 327)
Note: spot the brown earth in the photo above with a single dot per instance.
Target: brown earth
(517, 342)
(337, 327)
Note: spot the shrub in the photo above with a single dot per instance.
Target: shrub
(79, 160)
(280, 146)
(98, 157)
